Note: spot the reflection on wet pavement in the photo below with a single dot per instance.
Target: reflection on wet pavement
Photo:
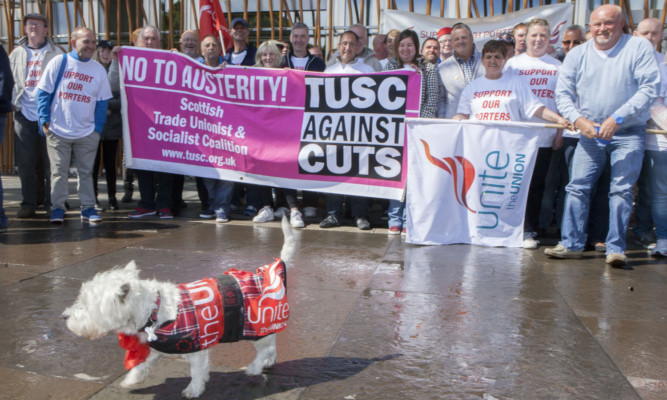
(371, 317)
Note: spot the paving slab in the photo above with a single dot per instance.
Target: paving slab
(371, 316)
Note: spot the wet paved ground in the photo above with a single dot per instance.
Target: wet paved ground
(371, 317)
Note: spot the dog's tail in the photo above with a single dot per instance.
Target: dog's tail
(289, 246)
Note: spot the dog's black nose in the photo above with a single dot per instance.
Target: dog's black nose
(65, 316)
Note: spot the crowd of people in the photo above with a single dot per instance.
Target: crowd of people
(603, 89)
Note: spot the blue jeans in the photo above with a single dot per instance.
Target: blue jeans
(219, 195)
(657, 178)
(396, 213)
(3, 215)
(643, 201)
(626, 152)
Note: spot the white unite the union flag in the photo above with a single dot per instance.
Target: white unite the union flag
(468, 182)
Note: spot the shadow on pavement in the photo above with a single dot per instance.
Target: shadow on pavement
(282, 377)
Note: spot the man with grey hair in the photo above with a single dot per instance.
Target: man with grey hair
(300, 58)
(72, 98)
(28, 61)
(364, 54)
(574, 36)
(458, 71)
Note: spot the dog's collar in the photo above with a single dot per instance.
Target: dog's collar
(152, 319)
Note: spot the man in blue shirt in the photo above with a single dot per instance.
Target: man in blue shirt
(605, 87)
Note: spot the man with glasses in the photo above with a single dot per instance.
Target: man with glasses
(445, 42)
(574, 36)
(33, 53)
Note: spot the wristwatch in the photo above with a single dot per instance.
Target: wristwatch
(617, 119)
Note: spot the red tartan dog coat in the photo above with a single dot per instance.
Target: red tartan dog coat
(238, 305)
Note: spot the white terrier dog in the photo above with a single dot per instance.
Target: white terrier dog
(188, 318)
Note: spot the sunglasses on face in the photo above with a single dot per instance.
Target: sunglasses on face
(568, 42)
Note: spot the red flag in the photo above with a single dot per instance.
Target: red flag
(212, 21)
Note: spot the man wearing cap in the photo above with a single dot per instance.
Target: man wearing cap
(445, 41)
(242, 53)
(33, 53)
(458, 71)
(72, 97)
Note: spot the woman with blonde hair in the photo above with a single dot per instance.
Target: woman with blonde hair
(269, 55)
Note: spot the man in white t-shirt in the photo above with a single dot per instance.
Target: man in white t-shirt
(654, 157)
(347, 63)
(72, 108)
(33, 53)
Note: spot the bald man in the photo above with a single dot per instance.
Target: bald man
(190, 44)
(605, 86)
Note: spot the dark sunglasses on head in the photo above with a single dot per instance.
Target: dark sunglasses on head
(573, 41)
(507, 38)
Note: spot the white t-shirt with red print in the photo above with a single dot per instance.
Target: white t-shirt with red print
(82, 85)
(33, 72)
(503, 99)
(541, 75)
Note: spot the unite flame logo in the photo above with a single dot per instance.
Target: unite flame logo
(275, 289)
(461, 170)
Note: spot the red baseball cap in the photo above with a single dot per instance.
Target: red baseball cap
(444, 31)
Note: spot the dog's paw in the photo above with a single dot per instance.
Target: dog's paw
(194, 390)
(129, 381)
(254, 369)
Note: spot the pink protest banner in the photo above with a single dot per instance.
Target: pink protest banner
(277, 127)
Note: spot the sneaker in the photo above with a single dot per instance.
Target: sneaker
(127, 197)
(561, 252)
(98, 206)
(296, 219)
(600, 247)
(221, 217)
(394, 230)
(207, 214)
(25, 212)
(404, 232)
(330, 222)
(166, 213)
(660, 249)
(250, 211)
(141, 212)
(646, 240)
(278, 214)
(617, 260)
(89, 214)
(113, 204)
(264, 215)
(530, 243)
(57, 215)
(363, 224)
(310, 212)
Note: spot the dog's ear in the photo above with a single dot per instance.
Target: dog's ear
(122, 293)
(131, 266)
